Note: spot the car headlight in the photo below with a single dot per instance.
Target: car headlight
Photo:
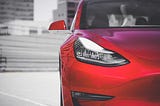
(89, 52)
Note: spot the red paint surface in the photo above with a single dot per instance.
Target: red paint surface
(136, 83)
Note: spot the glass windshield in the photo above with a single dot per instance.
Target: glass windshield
(120, 13)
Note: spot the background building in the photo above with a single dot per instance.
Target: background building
(25, 27)
(16, 10)
(66, 11)
(17, 18)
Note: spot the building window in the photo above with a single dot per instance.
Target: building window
(28, 0)
(4, 31)
(71, 13)
(45, 31)
(6, 27)
(71, 4)
(28, 5)
(33, 31)
(3, 12)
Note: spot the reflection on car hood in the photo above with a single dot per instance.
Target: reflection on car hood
(144, 43)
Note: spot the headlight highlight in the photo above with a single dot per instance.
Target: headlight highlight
(89, 52)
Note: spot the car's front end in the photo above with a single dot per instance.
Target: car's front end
(130, 78)
(112, 56)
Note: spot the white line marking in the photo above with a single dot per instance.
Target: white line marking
(22, 99)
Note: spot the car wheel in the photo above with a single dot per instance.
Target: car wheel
(61, 99)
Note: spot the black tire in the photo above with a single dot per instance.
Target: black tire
(61, 98)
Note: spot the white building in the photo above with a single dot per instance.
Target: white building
(16, 10)
(66, 11)
(21, 27)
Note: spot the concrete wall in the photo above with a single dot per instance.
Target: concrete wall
(32, 52)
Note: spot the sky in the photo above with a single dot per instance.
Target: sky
(43, 9)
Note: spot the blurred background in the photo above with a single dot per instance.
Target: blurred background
(29, 51)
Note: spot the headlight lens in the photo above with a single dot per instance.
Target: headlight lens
(89, 52)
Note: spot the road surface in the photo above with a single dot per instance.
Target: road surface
(29, 89)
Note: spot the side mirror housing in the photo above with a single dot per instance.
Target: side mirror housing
(58, 25)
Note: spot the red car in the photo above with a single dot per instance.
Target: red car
(112, 57)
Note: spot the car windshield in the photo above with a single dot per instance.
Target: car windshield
(120, 13)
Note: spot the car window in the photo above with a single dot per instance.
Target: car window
(120, 13)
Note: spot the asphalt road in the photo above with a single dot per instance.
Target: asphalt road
(29, 89)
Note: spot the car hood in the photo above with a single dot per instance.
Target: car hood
(142, 43)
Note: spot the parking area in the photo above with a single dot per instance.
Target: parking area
(29, 89)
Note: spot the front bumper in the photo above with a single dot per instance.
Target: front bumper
(129, 85)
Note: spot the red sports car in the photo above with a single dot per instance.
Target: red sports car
(112, 57)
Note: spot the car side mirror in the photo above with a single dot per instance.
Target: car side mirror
(58, 25)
